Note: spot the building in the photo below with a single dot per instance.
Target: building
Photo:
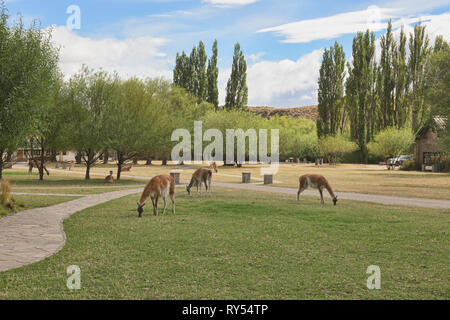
(427, 153)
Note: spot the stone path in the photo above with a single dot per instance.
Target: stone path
(33, 235)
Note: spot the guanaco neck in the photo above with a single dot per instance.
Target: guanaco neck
(330, 190)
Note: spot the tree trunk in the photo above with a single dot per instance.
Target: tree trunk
(149, 162)
(135, 160)
(119, 165)
(78, 158)
(1, 164)
(106, 157)
(164, 161)
(41, 166)
(88, 169)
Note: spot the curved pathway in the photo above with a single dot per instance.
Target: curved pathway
(33, 235)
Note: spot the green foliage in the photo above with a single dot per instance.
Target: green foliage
(334, 147)
(237, 91)
(331, 91)
(360, 89)
(408, 165)
(391, 142)
(419, 52)
(28, 64)
(213, 74)
(437, 91)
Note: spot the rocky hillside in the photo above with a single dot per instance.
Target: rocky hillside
(308, 112)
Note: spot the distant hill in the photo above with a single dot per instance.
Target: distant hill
(308, 112)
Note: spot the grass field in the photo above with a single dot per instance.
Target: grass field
(372, 179)
(243, 245)
(64, 184)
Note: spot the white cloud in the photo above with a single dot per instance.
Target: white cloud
(284, 83)
(373, 18)
(231, 2)
(139, 56)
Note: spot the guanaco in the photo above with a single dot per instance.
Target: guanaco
(158, 186)
(126, 168)
(109, 178)
(200, 176)
(316, 181)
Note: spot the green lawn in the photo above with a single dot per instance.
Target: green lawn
(63, 184)
(243, 245)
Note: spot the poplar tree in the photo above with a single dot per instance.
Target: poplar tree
(401, 112)
(237, 91)
(213, 74)
(331, 91)
(360, 90)
(419, 51)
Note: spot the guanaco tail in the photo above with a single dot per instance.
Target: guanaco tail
(202, 176)
(316, 181)
(158, 186)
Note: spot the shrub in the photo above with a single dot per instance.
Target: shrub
(334, 147)
(6, 199)
(391, 142)
(408, 165)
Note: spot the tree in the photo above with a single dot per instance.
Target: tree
(334, 147)
(401, 112)
(200, 72)
(419, 51)
(331, 91)
(387, 78)
(437, 84)
(237, 91)
(360, 90)
(27, 63)
(213, 74)
(89, 97)
(391, 142)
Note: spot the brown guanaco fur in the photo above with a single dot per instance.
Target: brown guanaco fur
(36, 163)
(126, 168)
(158, 186)
(202, 176)
(316, 181)
(109, 178)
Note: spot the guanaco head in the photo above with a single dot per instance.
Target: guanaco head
(335, 199)
(188, 189)
(140, 209)
(214, 166)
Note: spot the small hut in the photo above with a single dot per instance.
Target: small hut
(427, 153)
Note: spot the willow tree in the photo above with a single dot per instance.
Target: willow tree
(28, 62)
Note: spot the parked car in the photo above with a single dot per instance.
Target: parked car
(398, 161)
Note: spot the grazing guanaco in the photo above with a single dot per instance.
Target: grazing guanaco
(109, 178)
(316, 181)
(158, 186)
(202, 175)
(36, 163)
(126, 168)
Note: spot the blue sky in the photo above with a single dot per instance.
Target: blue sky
(282, 40)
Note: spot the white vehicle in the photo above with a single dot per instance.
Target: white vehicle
(398, 161)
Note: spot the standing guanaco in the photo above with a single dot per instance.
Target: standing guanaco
(200, 176)
(158, 186)
(316, 181)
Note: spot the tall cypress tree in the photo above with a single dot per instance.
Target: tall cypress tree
(213, 74)
(237, 91)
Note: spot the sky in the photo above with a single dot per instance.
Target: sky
(282, 40)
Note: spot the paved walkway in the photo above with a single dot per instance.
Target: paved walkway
(33, 235)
